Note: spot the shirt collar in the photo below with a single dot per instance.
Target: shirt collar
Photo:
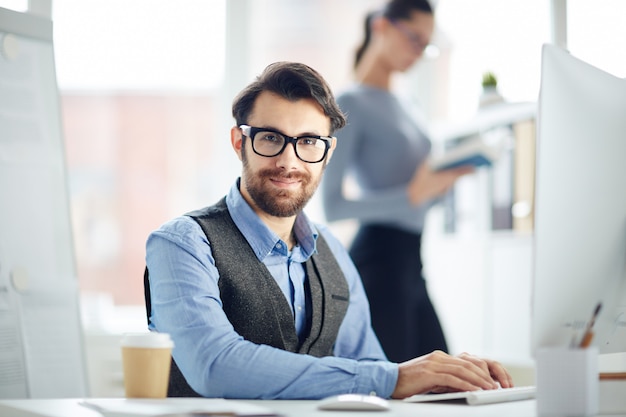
(263, 240)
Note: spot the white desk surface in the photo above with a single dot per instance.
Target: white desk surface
(71, 408)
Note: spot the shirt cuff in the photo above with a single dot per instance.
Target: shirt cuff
(376, 378)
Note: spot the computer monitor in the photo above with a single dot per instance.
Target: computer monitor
(580, 223)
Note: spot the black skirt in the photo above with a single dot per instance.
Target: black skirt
(403, 317)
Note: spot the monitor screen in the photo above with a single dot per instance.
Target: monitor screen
(580, 229)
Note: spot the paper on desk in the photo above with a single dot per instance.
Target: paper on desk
(175, 407)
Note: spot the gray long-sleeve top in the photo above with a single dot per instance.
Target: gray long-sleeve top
(380, 148)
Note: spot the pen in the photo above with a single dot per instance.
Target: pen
(588, 335)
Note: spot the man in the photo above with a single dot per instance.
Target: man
(261, 302)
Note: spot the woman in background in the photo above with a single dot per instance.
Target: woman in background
(385, 150)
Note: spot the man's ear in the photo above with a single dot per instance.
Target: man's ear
(333, 145)
(236, 140)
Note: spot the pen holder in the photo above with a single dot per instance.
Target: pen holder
(567, 381)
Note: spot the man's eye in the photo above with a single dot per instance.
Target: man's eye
(270, 137)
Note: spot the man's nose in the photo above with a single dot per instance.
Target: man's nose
(288, 157)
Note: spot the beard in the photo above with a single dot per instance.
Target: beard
(278, 203)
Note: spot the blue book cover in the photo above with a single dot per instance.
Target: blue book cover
(473, 153)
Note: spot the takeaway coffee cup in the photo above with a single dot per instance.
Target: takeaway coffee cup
(146, 359)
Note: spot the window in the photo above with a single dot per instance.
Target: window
(139, 86)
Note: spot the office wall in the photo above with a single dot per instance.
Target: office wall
(134, 160)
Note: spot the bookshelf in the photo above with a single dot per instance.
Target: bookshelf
(489, 117)
(478, 245)
(500, 197)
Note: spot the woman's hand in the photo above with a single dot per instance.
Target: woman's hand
(440, 372)
(427, 183)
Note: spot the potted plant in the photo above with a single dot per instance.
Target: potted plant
(490, 94)
(489, 80)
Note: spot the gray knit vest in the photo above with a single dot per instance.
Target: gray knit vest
(255, 304)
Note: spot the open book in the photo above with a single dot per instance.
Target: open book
(471, 151)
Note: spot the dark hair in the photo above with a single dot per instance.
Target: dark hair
(393, 10)
(292, 81)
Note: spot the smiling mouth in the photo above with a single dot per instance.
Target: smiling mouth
(285, 182)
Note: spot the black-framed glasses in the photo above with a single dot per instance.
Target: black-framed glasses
(270, 142)
(414, 39)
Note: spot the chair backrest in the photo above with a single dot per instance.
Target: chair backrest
(178, 386)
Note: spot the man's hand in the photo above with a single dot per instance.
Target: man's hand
(440, 372)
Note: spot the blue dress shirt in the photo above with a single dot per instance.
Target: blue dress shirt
(216, 360)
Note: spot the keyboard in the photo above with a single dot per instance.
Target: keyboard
(478, 397)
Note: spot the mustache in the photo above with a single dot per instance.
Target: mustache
(280, 173)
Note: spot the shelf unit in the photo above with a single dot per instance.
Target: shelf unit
(478, 245)
(500, 197)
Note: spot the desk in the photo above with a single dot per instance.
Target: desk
(71, 408)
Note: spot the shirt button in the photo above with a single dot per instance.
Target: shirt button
(372, 392)
(278, 245)
(299, 308)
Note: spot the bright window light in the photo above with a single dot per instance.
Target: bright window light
(139, 45)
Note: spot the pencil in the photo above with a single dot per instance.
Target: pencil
(588, 335)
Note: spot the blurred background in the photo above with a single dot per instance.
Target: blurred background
(146, 88)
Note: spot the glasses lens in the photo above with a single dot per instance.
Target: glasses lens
(415, 40)
(268, 143)
(311, 149)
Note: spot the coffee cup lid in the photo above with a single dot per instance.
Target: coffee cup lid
(147, 340)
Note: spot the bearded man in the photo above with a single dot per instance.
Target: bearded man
(260, 301)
